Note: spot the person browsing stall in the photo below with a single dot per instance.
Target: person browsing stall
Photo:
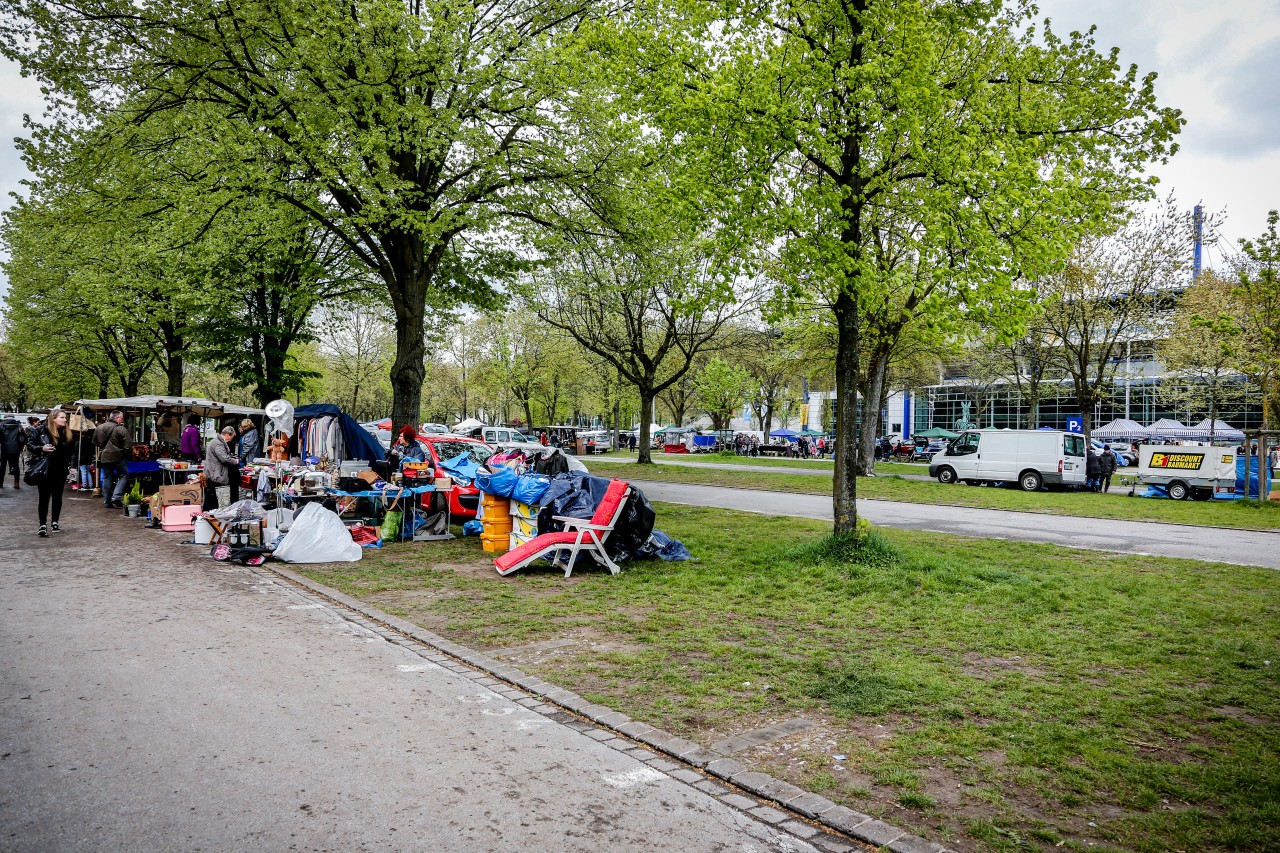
(189, 443)
(219, 467)
(53, 442)
(250, 446)
(115, 446)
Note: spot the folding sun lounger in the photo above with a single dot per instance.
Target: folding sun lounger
(583, 536)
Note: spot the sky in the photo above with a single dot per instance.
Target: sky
(1217, 61)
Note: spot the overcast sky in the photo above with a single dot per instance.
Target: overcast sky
(1218, 61)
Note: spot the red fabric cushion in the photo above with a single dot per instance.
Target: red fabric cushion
(610, 502)
(532, 548)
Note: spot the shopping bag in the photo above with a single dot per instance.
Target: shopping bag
(391, 525)
(392, 520)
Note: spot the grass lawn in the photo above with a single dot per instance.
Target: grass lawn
(986, 694)
(824, 465)
(1242, 514)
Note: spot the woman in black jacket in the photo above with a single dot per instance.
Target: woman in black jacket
(53, 441)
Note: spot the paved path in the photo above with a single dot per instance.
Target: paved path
(152, 699)
(1215, 544)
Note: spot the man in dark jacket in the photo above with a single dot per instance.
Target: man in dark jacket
(115, 446)
(12, 440)
(1106, 467)
(1092, 471)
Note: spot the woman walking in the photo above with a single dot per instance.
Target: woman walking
(53, 442)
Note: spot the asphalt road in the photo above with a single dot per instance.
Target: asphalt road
(1214, 544)
(152, 699)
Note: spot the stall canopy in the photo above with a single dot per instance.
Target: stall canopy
(1168, 428)
(1121, 429)
(937, 432)
(359, 444)
(157, 403)
(673, 429)
(1221, 431)
(782, 433)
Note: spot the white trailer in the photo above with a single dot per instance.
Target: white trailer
(1188, 471)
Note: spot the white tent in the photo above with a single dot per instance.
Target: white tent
(466, 426)
(1121, 429)
(1221, 431)
(1168, 428)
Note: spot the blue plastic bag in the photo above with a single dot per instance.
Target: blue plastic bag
(473, 528)
(499, 483)
(530, 488)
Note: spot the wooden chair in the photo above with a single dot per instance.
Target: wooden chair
(583, 536)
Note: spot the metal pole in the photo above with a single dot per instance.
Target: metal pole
(1128, 375)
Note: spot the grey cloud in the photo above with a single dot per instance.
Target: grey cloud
(1250, 93)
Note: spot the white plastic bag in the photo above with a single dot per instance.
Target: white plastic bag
(317, 536)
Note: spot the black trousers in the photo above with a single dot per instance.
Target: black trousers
(9, 465)
(51, 496)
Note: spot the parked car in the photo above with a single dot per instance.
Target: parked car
(1124, 453)
(530, 447)
(463, 500)
(596, 441)
(496, 435)
(434, 429)
(382, 435)
(1030, 458)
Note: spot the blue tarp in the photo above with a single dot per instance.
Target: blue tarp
(461, 467)
(359, 443)
(1252, 491)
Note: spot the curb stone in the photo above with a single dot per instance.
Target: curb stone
(617, 730)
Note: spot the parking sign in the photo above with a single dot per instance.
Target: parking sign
(1075, 423)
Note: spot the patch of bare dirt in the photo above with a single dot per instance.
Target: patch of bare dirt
(984, 667)
(1233, 713)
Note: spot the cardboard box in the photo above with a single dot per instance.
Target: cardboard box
(187, 493)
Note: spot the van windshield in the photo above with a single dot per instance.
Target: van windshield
(1074, 445)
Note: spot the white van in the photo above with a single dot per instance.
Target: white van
(1032, 458)
(501, 435)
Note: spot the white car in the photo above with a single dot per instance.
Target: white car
(529, 448)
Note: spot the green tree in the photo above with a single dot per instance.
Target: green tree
(1110, 291)
(1203, 347)
(721, 388)
(918, 142)
(1259, 293)
(415, 132)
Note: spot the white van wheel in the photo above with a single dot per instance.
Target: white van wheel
(946, 476)
(1178, 491)
(1030, 481)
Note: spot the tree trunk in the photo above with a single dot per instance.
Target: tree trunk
(409, 368)
(877, 371)
(173, 375)
(845, 492)
(271, 385)
(646, 420)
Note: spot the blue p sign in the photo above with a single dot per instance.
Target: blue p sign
(1075, 424)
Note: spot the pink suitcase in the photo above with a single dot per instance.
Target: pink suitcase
(179, 518)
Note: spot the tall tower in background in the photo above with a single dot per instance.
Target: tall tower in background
(1197, 264)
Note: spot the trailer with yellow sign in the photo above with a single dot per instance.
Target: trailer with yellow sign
(1197, 471)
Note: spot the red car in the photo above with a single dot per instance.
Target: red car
(463, 500)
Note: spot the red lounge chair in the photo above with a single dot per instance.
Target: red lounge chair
(585, 536)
